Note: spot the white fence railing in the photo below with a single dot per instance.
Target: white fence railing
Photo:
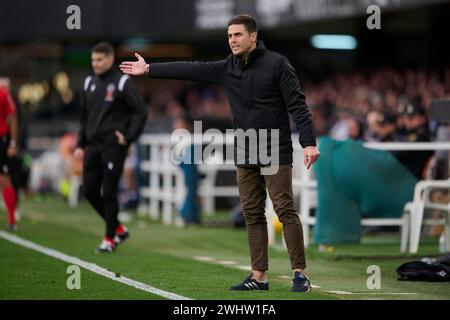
(166, 182)
(166, 189)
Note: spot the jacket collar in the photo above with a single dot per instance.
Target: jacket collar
(254, 54)
(107, 73)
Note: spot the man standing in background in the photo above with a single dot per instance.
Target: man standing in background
(113, 116)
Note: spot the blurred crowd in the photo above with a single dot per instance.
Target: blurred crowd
(385, 105)
(168, 100)
(346, 106)
(357, 105)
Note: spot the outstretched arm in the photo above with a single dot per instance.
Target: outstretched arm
(211, 72)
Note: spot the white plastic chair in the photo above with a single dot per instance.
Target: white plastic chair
(416, 208)
(307, 190)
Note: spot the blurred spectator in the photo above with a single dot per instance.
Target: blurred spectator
(180, 98)
(128, 187)
(372, 126)
(190, 212)
(355, 129)
(386, 127)
(340, 129)
(72, 178)
(367, 94)
(416, 130)
(323, 118)
(401, 115)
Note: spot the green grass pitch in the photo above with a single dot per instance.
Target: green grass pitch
(167, 257)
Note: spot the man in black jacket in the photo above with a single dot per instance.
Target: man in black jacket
(416, 129)
(113, 115)
(262, 89)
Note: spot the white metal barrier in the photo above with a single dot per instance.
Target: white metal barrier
(166, 184)
(166, 181)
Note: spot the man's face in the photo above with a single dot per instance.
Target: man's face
(101, 62)
(240, 40)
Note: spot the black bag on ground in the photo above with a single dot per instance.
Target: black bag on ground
(421, 271)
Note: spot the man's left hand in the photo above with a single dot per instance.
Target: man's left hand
(310, 155)
(120, 138)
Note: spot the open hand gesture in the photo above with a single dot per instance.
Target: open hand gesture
(134, 68)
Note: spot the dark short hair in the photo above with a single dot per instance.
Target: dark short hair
(247, 20)
(103, 47)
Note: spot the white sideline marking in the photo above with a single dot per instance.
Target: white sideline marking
(339, 292)
(368, 293)
(389, 293)
(90, 266)
(222, 262)
(246, 268)
(203, 258)
(227, 262)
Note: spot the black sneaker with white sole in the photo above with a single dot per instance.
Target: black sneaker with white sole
(301, 283)
(251, 284)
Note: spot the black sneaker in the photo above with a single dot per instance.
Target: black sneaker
(120, 238)
(106, 247)
(251, 284)
(301, 283)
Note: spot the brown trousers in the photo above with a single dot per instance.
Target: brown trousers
(252, 192)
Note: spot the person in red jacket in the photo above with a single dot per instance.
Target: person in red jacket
(8, 149)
